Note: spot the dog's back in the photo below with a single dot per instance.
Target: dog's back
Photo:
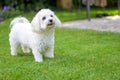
(18, 20)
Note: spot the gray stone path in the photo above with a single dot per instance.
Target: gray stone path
(111, 23)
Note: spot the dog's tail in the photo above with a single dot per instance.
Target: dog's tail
(18, 20)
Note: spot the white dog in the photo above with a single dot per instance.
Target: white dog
(37, 35)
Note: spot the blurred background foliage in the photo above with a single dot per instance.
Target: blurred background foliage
(12, 8)
(35, 5)
(28, 5)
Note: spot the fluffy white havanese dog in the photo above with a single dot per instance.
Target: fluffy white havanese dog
(37, 35)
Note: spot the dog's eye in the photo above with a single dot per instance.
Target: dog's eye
(51, 15)
(43, 18)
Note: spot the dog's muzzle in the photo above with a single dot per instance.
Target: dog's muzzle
(51, 22)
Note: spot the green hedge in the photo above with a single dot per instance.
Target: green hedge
(29, 5)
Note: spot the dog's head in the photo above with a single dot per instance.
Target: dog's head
(45, 19)
(18, 20)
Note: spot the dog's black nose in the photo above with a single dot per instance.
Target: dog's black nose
(51, 20)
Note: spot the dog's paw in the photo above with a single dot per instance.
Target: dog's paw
(48, 55)
(40, 60)
(13, 54)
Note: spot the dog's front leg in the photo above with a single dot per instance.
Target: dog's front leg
(37, 55)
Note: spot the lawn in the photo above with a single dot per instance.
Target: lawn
(80, 15)
(79, 55)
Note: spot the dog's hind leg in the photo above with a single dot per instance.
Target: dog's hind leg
(14, 48)
(25, 49)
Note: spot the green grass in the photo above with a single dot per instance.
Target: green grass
(79, 55)
(76, 15)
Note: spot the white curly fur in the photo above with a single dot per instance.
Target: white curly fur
(37, 35)
(18, 20)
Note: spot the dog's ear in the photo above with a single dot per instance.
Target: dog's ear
(35, 23)
(58, 22)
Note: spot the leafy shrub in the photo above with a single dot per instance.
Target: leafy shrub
(8, 12)
(29, 5)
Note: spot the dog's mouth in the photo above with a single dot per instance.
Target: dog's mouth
(50, 24)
